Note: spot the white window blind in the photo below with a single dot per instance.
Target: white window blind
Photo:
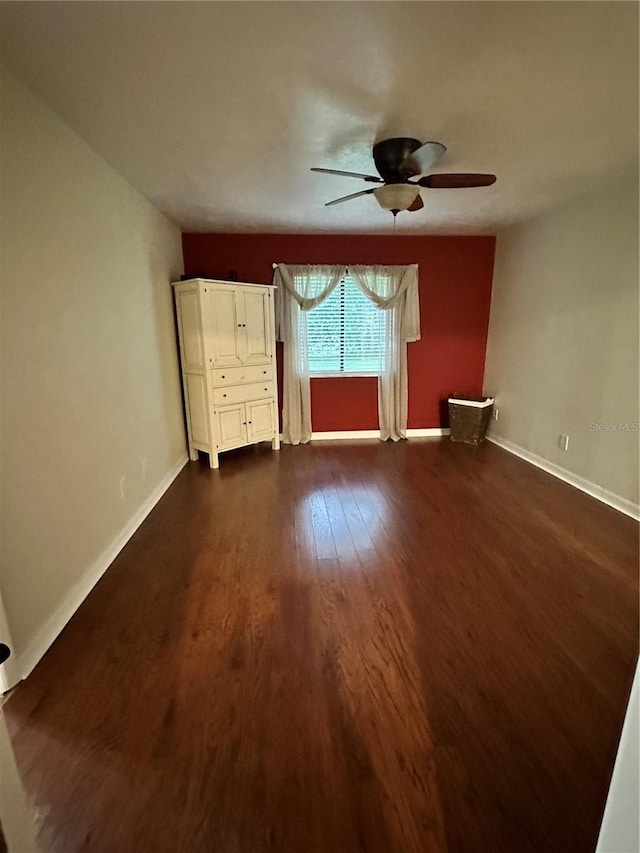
(345, 334)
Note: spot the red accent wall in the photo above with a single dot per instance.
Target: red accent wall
(455, 276)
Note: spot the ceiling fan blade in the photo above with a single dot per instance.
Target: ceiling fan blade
(422, 159)
(348, 197)
(455, 181)
(371, 178)
(418, 204)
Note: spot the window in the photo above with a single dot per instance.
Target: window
(345, 334)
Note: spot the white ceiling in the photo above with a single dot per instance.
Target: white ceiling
(217, 110)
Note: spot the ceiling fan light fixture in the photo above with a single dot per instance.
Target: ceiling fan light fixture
(396, 196)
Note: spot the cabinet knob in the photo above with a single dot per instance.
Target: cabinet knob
(224, 377)
(224, 395)
(264, 371)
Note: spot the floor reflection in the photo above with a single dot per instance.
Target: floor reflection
(18, 828)
(340, 521)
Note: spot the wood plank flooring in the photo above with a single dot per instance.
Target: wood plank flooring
(420, 647)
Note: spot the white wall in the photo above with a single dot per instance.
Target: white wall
(562, 351)
(9, 673)
(90, 382)
(18, 824)
(620, 832)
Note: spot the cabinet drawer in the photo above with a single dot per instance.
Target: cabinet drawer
(222, 377)
(241, 393)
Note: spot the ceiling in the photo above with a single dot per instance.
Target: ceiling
(217, 110)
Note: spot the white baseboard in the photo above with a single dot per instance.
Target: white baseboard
(9, 674)
(346, 435)
(615, 501)
(77, 594)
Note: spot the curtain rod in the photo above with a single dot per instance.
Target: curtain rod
(275, 266)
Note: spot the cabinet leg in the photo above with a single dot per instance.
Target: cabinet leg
(193, 454)
(213, 460)
(275, 444)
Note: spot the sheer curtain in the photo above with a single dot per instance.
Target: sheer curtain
(393, 289)
(301, 288)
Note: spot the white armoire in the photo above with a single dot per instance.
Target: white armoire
(227, 351)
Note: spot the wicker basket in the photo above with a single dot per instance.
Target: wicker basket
(469, 418)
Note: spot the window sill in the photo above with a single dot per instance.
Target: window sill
(342, 375)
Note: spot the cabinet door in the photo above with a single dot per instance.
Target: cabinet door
(222, 324)
(260, 420)
(256, 326)
(231, 427)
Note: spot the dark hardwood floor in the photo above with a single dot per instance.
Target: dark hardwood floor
(342, 647)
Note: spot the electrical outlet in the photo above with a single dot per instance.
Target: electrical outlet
(496, 414)
(123, 487)
(563, 442)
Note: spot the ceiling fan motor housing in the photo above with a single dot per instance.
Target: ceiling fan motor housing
(390, 154)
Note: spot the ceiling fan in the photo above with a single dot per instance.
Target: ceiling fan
(398, 162)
